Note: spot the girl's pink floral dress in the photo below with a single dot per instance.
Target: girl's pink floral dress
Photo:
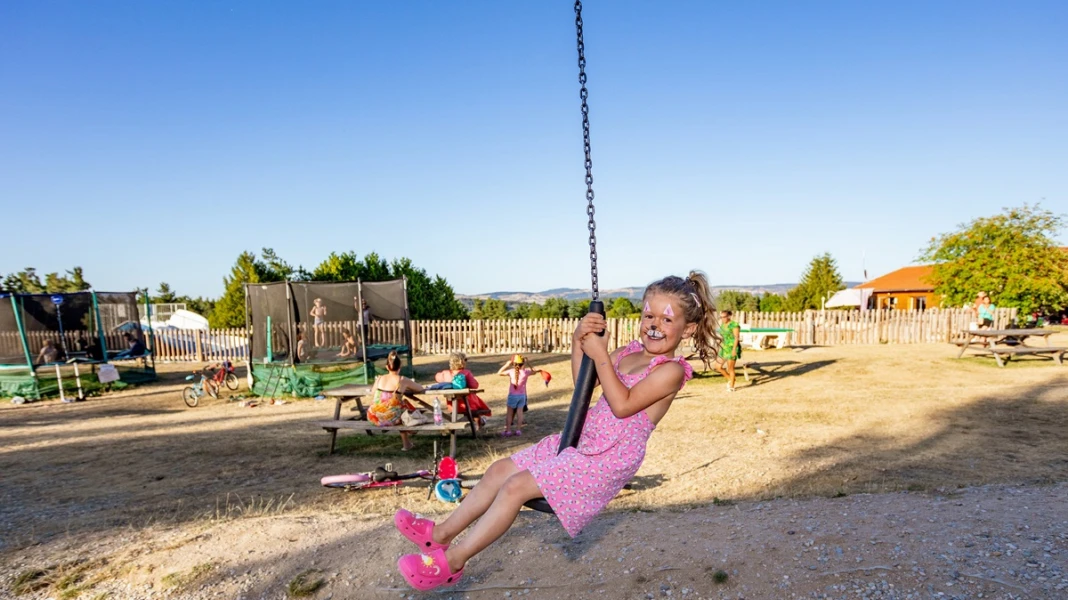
(579, 482)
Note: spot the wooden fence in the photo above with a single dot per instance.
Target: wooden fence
(810, 328)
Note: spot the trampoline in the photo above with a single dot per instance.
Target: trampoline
(45, 338)
(305, 337)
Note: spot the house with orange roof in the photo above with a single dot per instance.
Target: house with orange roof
(907, 288)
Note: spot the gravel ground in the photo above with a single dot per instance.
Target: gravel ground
(987, 542)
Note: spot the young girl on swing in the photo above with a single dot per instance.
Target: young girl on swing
(638, 383)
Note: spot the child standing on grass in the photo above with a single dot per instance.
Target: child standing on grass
(731, 348)
(639, 381)
(517, 374)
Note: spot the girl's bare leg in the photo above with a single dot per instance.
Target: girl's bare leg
(730, 372)
(515, 491)
(508, 416)
(475, 504)
(519, 418)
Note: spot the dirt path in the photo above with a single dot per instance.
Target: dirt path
(989, 542)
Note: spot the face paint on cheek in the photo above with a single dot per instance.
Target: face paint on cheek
(668, 312)
(647, 309)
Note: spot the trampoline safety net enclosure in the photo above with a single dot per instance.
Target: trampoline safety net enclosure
(39, 332)
(305, 337)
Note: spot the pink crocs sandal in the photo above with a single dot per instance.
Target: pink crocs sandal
(425, 572)
(418, 530)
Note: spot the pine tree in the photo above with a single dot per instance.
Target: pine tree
(819, 281)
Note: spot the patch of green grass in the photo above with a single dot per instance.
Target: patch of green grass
(182, 579)
(29, 580)
(717, 501)
(720, 576)
(305, 583)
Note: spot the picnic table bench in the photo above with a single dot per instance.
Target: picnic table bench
(761, 338)
(449, 428)
(1003, 344)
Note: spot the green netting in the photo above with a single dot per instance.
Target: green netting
(306, 381)
(18, 382)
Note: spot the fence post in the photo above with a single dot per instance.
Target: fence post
(199, 350)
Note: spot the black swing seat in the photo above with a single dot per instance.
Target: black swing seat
(540, 505)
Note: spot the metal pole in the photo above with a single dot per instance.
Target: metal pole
(22, 334)
(291, 327)
(368, 375)
(407, 327)
(100, 329)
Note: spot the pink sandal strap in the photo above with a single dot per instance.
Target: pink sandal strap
(419, 531)
(425, 572)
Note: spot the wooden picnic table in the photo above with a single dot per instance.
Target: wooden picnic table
(1003, 344)
(357, 392)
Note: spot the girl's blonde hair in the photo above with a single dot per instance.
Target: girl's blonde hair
(518, 365)
(695, 297)
(457, 360)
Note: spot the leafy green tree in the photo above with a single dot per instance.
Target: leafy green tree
(27, 281)
(554, 308)
(621, 308)
(820, 280)
(576, 309)
(1012, 256)
(489, 309)
(770, 302)
(230, 308)
(735, 300)
(427, 298)
(164, 294)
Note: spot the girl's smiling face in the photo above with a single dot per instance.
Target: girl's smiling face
(663, 323)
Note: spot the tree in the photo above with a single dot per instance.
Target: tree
(576, 309)
(230, 308)
(735, 300)
(554, 308)
(1012, 256)
(27, 281)
(165, 295)
(428, 298)
(489, 309)
(621, 308)
(770, 302)
(819, 281)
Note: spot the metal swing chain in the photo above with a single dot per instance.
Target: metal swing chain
(586, 147)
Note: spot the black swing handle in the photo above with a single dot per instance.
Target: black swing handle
(580, 398)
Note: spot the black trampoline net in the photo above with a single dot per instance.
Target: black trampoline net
(325, 320)
(59, 327)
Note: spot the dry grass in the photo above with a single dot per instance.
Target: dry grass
(817, 422)
(304, 584)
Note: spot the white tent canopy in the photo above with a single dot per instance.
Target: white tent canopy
(850, 297)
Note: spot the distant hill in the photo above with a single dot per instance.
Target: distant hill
(633, 293)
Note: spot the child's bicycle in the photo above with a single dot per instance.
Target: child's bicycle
(444, 479)
(226, 376)
(192, 393)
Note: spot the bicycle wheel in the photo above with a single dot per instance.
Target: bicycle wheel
(231, 381)
(190, 397)
(353, 481)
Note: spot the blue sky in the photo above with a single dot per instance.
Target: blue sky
(150, 141)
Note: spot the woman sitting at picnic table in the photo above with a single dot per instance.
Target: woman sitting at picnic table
(461, 377)
(389, 404)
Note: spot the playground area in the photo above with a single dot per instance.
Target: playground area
(880, 469)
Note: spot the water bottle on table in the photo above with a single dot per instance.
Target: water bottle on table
(437, 412)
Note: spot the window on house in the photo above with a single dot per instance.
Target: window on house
(920, 302)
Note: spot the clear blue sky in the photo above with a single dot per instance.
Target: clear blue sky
(154, 141)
